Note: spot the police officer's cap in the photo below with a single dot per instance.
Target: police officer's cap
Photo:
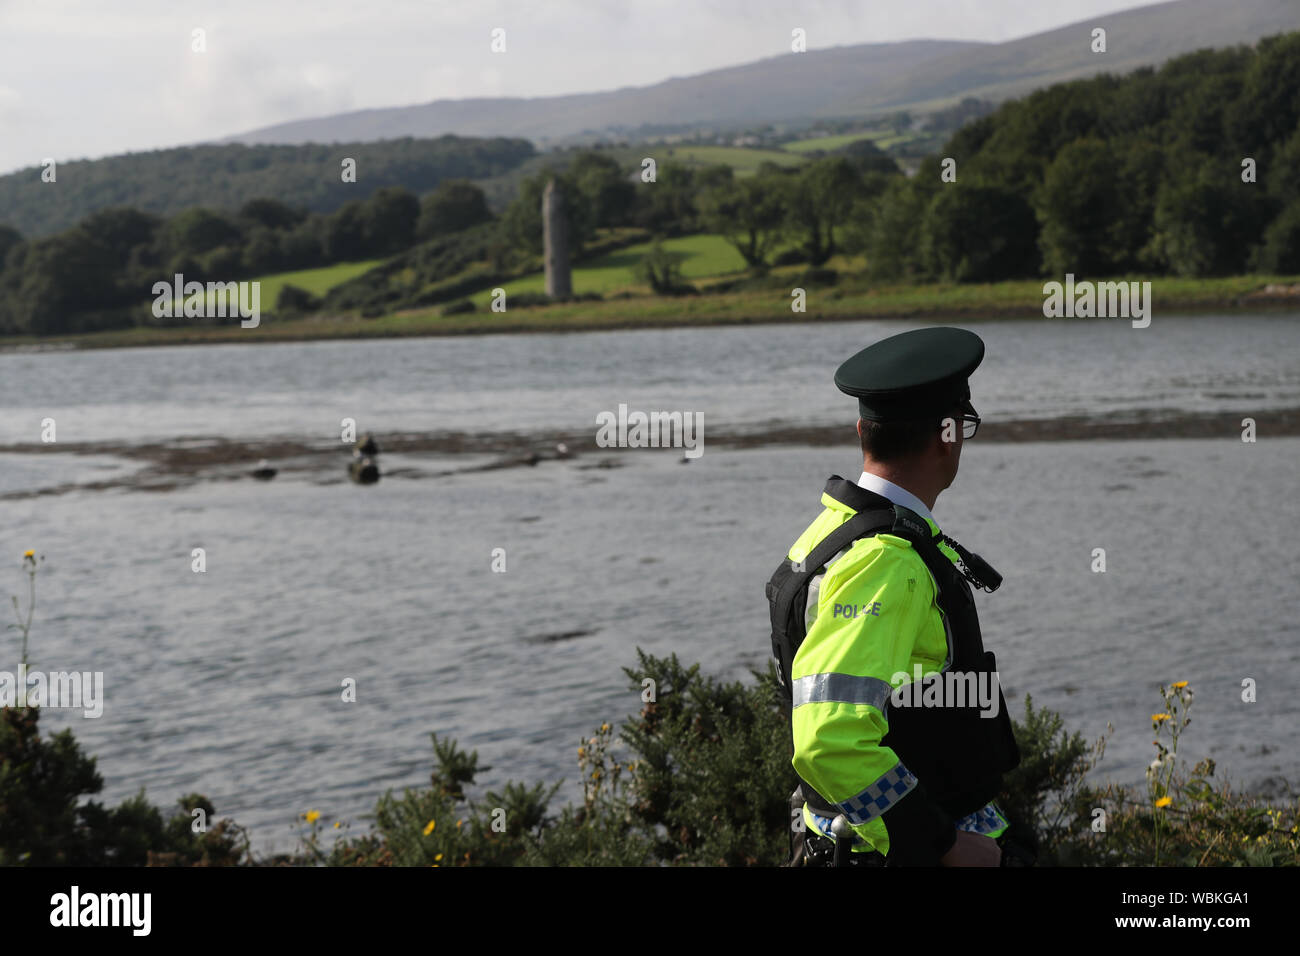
(912, 375)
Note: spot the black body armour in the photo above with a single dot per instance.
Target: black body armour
(957, 755)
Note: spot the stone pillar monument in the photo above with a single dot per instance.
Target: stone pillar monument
(555, 242)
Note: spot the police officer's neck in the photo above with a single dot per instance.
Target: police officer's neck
(917, 477)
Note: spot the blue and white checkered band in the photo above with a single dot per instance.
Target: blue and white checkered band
(985, 820)
(824, 824)
(892, 786)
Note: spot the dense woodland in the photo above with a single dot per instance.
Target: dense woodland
(1107, 176)
(224, 177)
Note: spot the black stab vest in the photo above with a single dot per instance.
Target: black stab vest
(958, 755)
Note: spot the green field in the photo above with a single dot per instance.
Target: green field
(701, 257)
(743, 160)
(885, 139)
(316, 281)
(829, 143)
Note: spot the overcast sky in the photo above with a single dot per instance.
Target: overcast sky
(87, 78)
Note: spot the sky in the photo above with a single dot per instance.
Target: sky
(88, 78)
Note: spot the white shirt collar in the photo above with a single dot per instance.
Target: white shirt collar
(895, 494)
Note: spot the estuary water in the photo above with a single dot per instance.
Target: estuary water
(229, 682)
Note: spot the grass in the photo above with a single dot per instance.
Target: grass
(1019, 299)
(829, 143)
(316, 281)
(701, 257)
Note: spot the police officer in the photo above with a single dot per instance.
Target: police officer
(872, 597)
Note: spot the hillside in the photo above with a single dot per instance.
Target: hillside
(849, 81)
(167, 181)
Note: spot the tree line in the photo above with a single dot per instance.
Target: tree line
(226, 176)
(1192, 169)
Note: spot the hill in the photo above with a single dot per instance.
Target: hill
(849, 81)
(224, 177)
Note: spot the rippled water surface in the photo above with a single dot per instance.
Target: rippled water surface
(228, 682)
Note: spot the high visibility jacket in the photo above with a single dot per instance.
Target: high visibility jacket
(874, 623)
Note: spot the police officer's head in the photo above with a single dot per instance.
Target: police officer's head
(914, 401)
(932, 443)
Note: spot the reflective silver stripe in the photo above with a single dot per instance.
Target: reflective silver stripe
(814, 592)
(841, 688)
(893, 785)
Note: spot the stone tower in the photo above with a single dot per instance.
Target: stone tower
(555, 242)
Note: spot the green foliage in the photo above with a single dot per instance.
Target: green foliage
(455, 205)
(226, 177)
(295, 301)
(1280, 250)
(662, 271)
(43, 822)
(1206, 219)
(750, 213)
(975, 233)
(820, 202)
(522, 221)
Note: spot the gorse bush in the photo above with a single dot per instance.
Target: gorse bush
(702, 776)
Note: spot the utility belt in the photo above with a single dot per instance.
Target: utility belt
(817, 847)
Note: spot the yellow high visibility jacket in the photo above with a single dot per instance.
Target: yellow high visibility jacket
(871, 619)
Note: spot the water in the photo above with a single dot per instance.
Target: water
(229, 682)
(741, 376)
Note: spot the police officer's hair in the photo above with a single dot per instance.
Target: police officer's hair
(891, 441)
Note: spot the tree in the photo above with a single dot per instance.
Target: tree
(271, 214)
(122, 229)
(522, 222)
(823, 194)
(975, 233)
(606, 187)
(1280, 251)
(661, 270)
(892, 227)
(667, 205)
(345, 234)
(1079, 204)
(867, 157)
(8, 239)
(455, 205)
(388, 221)
(199, 230)
(1207, 220)
(61, 277)
(750, 214)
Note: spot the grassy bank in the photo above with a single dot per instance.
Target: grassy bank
(949, 302)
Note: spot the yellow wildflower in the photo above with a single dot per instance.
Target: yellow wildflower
(29, 554)
(312, 816)
(337, 824)
(428, 827)
(458, 823)
(1164, 801)
(604, 728)
(1180, 685)
(582, 751)
(1158, 718)
(438, 857)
